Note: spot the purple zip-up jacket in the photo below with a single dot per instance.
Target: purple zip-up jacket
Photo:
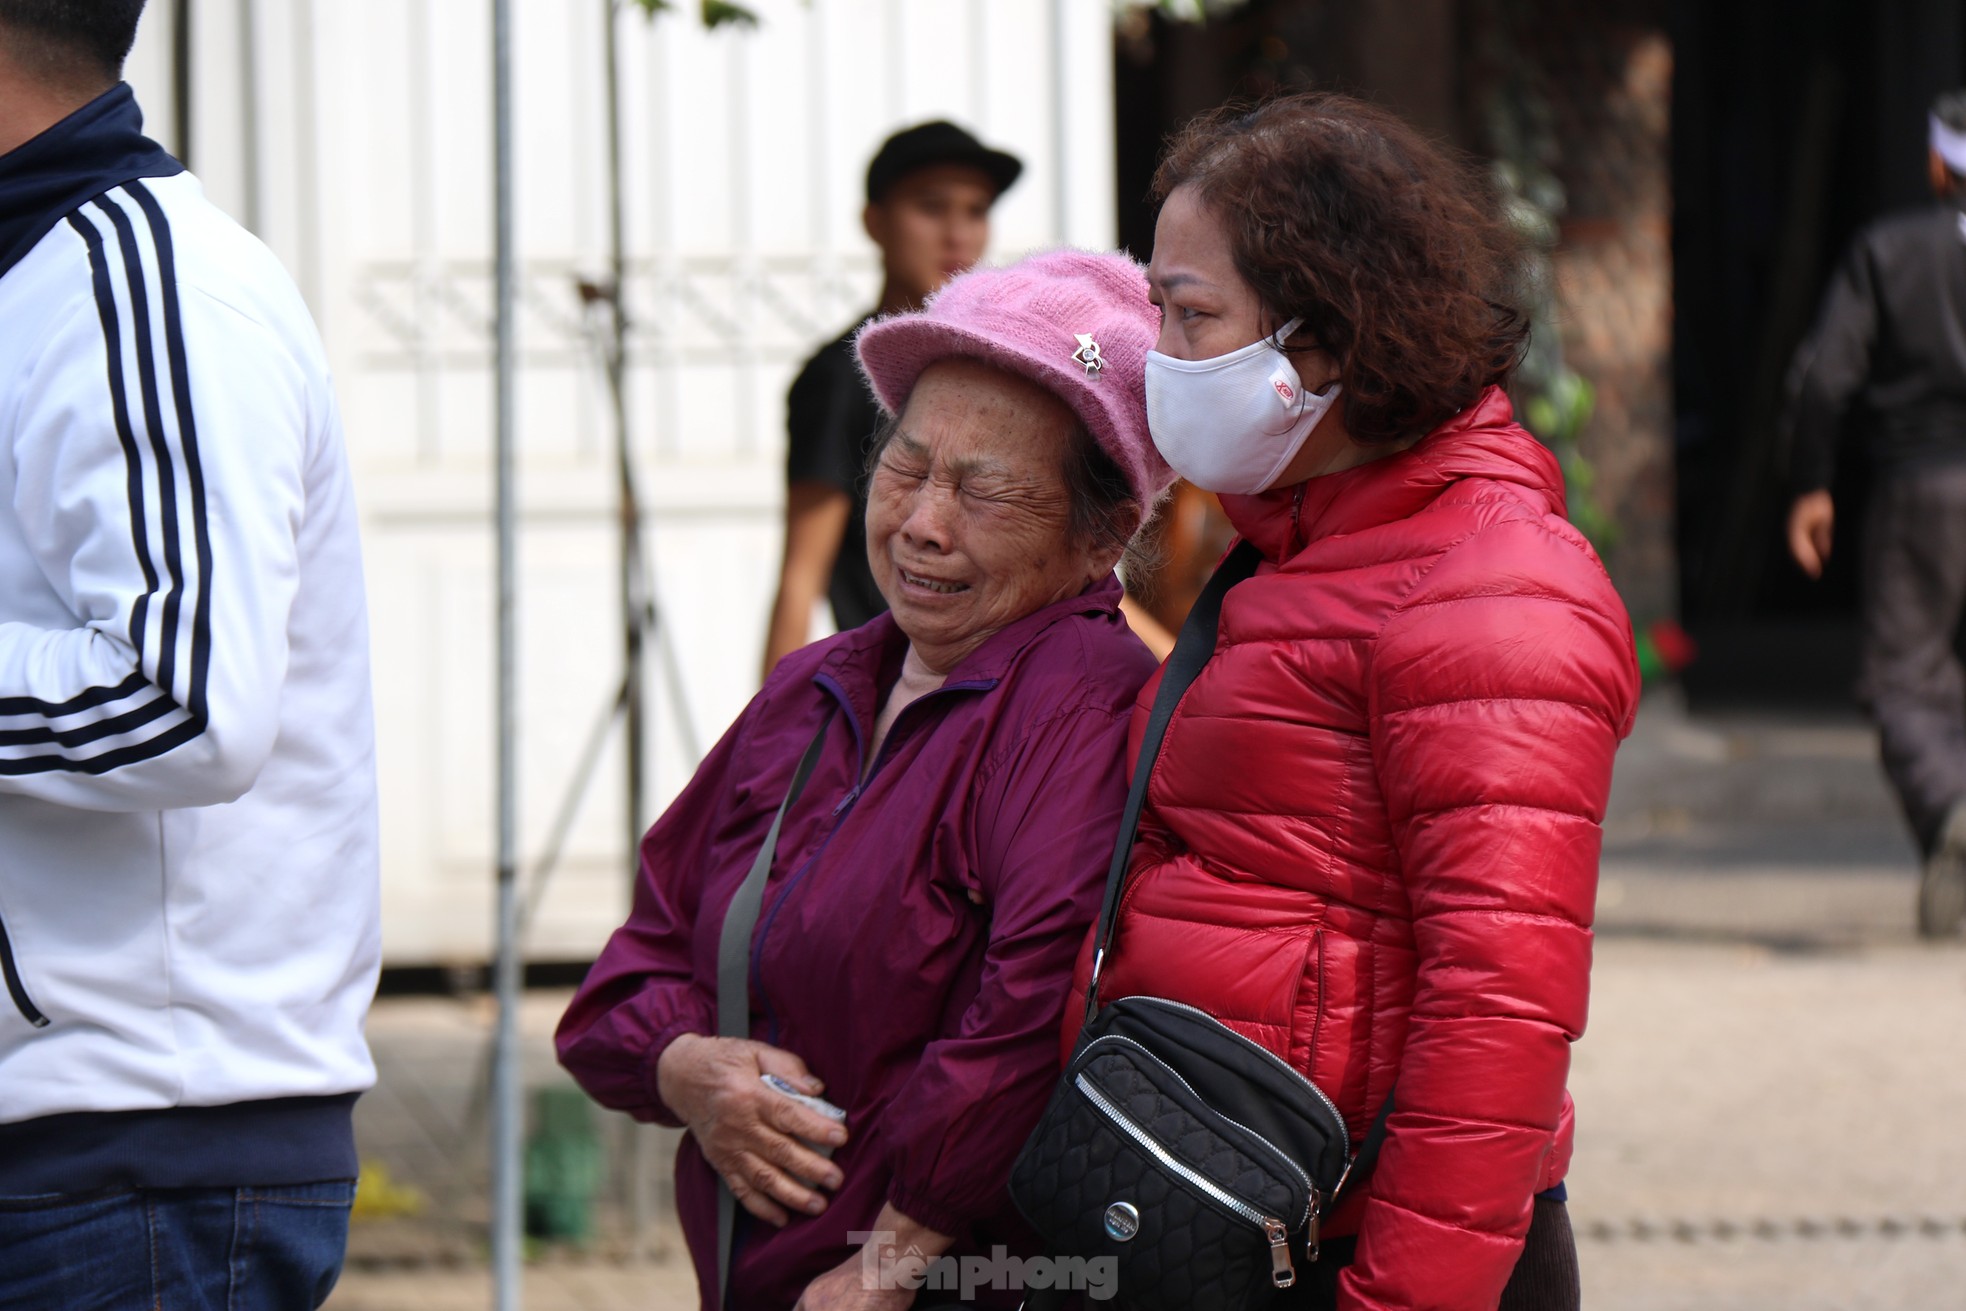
(932, 1020)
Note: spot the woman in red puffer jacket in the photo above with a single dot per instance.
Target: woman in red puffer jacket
(1371, 840)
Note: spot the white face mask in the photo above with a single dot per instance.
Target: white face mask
(1233, 423)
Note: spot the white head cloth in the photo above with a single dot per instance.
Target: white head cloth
(1950, 145)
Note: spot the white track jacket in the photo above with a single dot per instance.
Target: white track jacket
(188, 867)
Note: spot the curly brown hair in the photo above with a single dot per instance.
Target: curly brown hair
(1395, 250)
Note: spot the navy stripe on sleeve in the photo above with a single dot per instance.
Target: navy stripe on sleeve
(160, 441)
(187, 428)
(112, 335)
(89, 700)
(177, 724)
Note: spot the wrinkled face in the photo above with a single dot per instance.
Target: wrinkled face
(968, 512)
(932, 225)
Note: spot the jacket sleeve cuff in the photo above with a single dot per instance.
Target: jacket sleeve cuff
(659, 1111)
(928, 1211)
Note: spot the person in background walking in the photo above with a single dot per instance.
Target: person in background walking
(929, 193)
(1890, 338)
(188, 873)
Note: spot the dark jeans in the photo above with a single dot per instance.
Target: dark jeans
(190, 1249)
(1911, 682)
(1545, 1278)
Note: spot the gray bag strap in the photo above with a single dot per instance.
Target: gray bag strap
(734, 971)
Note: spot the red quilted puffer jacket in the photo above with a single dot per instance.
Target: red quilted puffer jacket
(1371, 841)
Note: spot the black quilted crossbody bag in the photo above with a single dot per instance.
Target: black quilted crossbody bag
(1196, 1159)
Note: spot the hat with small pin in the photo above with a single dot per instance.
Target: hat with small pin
(1077, 323)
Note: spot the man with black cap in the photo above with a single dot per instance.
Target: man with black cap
(1887, 343)
(929, 193)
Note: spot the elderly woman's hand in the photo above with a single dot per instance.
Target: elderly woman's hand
(877, 1277)
(748, 1133)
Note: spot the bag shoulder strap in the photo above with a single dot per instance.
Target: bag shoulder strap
(734, 968)
(1191, 651)
(1367, 1159)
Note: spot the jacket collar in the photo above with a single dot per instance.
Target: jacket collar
(99, 146)
(856, 664)
(1483, 441)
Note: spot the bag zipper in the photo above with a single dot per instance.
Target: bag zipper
(15, 988)
(1311, 1245)
(1344, 1132)
(1282, 1273)
(1310, 1189)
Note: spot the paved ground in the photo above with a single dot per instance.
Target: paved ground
(1770, 1096)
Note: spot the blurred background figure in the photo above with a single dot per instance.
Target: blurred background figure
(1888, 337)
(929, 193)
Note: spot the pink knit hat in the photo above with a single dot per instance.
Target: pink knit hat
(1077, 324)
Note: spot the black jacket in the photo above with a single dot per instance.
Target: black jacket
(1891, 337)
(830, 420)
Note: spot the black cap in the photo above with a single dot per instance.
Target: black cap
(936, 143)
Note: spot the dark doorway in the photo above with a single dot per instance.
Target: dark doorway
(1795, 122)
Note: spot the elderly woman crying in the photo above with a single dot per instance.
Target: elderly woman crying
(873, 888)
